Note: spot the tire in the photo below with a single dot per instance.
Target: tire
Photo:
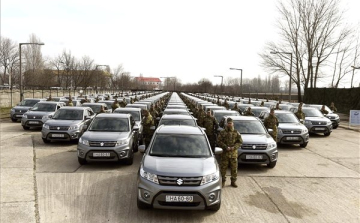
(82, 161)
(25, 127)
(13, 119)
(215, 207)
(335, 127)
(271, 164)
(303, 145)
(45, 140)
(136, 147)
(142, 205)
(327, 134)
(129, 161)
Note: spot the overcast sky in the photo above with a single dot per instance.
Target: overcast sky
(189, 39)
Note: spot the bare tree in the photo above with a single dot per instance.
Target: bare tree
(9, 59)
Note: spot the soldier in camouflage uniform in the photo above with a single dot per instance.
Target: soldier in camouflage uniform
(210, 124)
(50, 98)
(226, 104)
(236, 108)
(323, 110)
(200, 117)
(332, 107)
(300, 114)
(249, 112)
(277, 107)
(70, 103)
(153, 112)
(123, 103)
(147, 122)
(229, 140)
(115, 104)
(262, 104)
(249, 101)
(271, 122)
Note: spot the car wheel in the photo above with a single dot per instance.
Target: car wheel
(82, 161)
(14, 119)
(129, 161)
(303, 145)
(327, 133)
(335, 127)
(215, 207)
(25, 127)
(142, 205)
(136, 147)
(271, 164)
(45, 140)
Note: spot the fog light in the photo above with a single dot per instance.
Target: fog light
(212, 197)
(122, 153)
(81, 153)
(146, 195)
(273, 156)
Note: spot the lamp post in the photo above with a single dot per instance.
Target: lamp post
(240, 79)
(96, 91)
(21, 77)
(221, 81)
(170, 78)
(352, 78)
(289, 53)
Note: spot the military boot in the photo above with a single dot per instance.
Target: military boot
(233, 184)
(223, 184)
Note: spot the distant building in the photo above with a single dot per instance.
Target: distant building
(152, 83)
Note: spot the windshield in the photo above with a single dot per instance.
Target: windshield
(95, 108)
(287, 118)
(257, 111)
(134, 114)
(64, 114)
(28, 103)
(175, 112)
(110, 124)
(189, 122)
(219, 115)
(312, 113)
(180, 146)
(44, 107)
(249, 127)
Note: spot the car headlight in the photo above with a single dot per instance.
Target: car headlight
(280, 131)
(13, 110)
(45, 126)
(122, 142)
(210, 178)
(328, 123)
(74, 127)
(308, 122)
(271, 145)
(84, 141)
(304, 130)
(149, 176)
(24, 116)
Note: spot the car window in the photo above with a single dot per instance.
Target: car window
(29, 103)
(44, 107)
(249, 127)
(287, 118)
(89, 113)
(105, 124)
(64, 114)
(312, 113)
(180, 146)
(189, 122)
(134, 114)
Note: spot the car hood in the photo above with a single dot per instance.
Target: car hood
(180, 167)
(22, 107)
(256, 139)
(53, 122)
(105, 136)
(38, 113)
(317, 119)
(291, 126)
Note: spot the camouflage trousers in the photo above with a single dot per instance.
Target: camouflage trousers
(274, 135)
(212, 140)
(224, 164)
(147, 139)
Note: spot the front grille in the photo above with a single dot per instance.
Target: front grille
(179, 204)
(179, 181)
(20, 111)
(243, 158)
(112, 155)
(59, 127)
(254, 146)
(34, 117)
(102, 144)
(318, 123)
(291, 131)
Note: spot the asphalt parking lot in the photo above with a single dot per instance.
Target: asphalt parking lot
(44, 183)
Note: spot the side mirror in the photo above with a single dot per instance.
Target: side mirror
(152, 128)
(87, 117)
(50, 116)
(84, 127)
(142, 148)
(301, 120)
(219, 129)
(218, 150)
(136, 128)
(270, 131)
(158, 118)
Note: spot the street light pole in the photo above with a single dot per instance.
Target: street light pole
(240, 79)
(289, 53)
(352, 78)
(21, 77)
(221, 82)
(97, 77)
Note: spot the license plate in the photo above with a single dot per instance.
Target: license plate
(292, 138)
(18, 115)
(171, 198)
(58, 135)
(101, 154)
(319, 128)
(254, 157)
(33, 122)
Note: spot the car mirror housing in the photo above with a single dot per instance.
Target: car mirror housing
(218, 150)
(152, 127)
(270, 131)
(136, 128)
(142, 148)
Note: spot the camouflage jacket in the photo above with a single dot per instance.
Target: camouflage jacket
(271, 122)
(115, 105)
(147, 122)
(300, 115)
(229, 138)
(153, 113)
(333, 108)
(210, 124)
(249, 113)
(324, 112)
(122, 104)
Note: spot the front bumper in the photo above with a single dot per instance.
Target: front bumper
(253, 156)
(293, 138)
(60, 135)
(116, 153)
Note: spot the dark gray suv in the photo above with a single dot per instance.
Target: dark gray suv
(179, 171)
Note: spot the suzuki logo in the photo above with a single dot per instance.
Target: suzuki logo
(179, 181)
(34, 117)
(58, 128)
(254, 147)
(101, 144)
(292, 131)
(319, 123)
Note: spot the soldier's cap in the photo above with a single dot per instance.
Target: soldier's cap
(208, 110)
(229, 120)
(272, 110)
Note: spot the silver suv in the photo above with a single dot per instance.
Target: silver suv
(17, 112)
(137, 116)
(334, 118)
(38, 114)
(290, 130)
(110, 137)
(67, 124)
(258, 146)
(179, 171)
